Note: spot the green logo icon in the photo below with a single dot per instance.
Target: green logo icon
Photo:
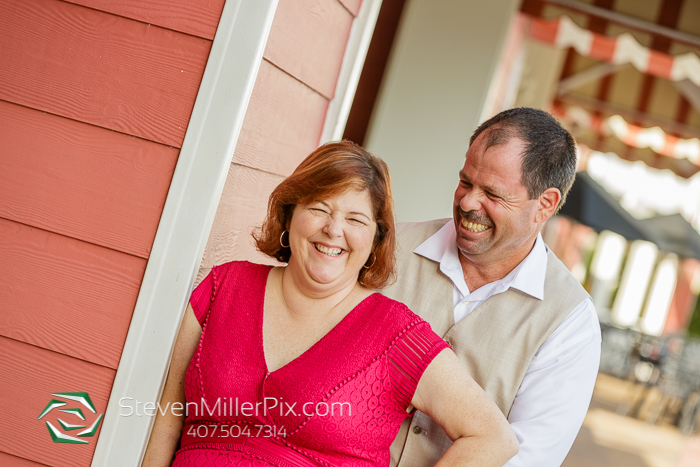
(74, 415)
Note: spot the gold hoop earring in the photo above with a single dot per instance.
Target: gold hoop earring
(282, 244)
(374, 260)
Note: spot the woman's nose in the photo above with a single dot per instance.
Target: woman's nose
(333, 227)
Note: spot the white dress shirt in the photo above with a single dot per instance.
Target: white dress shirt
(553, 398)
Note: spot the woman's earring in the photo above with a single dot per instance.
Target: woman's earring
(374, 259)
(282, 244)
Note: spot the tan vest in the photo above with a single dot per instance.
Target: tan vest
(496, 342)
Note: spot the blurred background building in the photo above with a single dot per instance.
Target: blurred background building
(623, 77)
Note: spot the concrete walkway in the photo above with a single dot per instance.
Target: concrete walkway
(608, 439)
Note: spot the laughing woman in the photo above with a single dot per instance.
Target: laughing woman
(308, 364)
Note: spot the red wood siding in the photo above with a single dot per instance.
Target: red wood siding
(307, 41)
(99, 68)
(193, 17)
(28, 376)
(66, 295)
(95, 98)
(7, 460)
(82, 181)
(238, 213)
(353, 6)
(284, 120)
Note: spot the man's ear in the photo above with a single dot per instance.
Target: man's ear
(548, 202)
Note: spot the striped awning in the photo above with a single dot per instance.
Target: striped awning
(563, 33)
(653, 138)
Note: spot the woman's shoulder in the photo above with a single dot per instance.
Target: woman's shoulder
(396, 315)
(407, 323)
(240, 265)
(398, 308)
(237, 272)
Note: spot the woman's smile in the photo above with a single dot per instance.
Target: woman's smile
(328, 250)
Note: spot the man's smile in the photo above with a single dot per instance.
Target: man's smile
(473, 226)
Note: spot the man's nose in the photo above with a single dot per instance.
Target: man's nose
(470, 201)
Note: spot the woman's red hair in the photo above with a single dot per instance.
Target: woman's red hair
(329, 171)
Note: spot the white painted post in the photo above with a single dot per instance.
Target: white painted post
(185, 224)
(350, 71)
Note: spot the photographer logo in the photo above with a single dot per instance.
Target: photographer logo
(74, 415)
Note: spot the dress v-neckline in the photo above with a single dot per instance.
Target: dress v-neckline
(314, 345)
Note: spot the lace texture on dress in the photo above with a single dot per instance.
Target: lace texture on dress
(357, 382)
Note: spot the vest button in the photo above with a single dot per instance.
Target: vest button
(417, 430)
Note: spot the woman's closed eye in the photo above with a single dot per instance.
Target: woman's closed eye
(355, 221)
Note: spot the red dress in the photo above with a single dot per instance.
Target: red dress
(339, 403)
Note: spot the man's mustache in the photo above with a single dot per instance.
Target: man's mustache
(474, 216)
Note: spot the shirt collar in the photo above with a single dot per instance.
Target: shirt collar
(434, 247)
(528, 276)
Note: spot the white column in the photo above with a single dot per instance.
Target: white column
(635, 283)
(350, 71)
(660, 295)
(605, 271)
(184, 227)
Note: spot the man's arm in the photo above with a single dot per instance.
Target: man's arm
(554, 396)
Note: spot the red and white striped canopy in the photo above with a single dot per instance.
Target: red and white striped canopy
(632, 135)
(563, 32)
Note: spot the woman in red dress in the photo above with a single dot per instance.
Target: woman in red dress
(306, 365)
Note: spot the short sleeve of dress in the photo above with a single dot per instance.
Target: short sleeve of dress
(410, 356)
(202, 297)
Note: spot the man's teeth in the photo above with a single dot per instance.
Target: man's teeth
(328, 251)
(473, 226)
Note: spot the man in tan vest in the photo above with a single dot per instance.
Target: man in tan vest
(485, 281)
